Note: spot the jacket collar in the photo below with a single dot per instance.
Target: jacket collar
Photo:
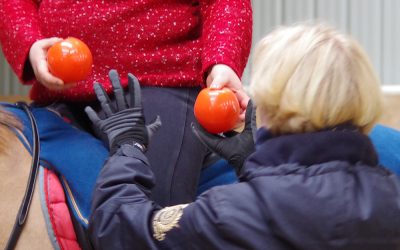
(342, 143)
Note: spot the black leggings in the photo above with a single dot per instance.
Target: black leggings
(175, 153)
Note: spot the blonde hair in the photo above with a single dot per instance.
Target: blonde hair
(310, 77)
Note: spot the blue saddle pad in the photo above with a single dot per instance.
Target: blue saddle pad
(218, 173)
(75, 155)
(387, 144)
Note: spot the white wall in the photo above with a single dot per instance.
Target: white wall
(9, 84)
(375, 23)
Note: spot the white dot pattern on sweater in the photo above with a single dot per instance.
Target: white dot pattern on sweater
(164, 43)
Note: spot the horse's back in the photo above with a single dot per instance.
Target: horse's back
(15, 162)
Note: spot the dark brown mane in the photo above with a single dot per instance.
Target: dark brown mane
(7, 121)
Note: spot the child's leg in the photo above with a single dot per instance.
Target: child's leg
(175, 154)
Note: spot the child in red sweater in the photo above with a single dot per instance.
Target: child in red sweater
(174, 48)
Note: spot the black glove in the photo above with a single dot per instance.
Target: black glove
(232, 146)
(124, 122)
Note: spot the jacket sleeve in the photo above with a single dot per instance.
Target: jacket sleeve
(124, 217)
(19, 29)
(227, 33)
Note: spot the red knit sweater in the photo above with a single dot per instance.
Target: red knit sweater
(163, 42)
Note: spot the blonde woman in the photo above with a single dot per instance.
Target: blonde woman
(313, 181)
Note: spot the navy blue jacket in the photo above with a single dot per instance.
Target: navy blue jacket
(321, 190)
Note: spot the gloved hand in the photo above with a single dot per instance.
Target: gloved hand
(124, 122)
(232, 146)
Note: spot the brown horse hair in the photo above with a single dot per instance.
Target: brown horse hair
(7, 121)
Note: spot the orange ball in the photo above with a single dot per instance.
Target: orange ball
(217, 110)
(70, 60)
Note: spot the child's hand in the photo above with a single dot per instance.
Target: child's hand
(38, 60)
(122, 122)
(234, 147)
(221, 76)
